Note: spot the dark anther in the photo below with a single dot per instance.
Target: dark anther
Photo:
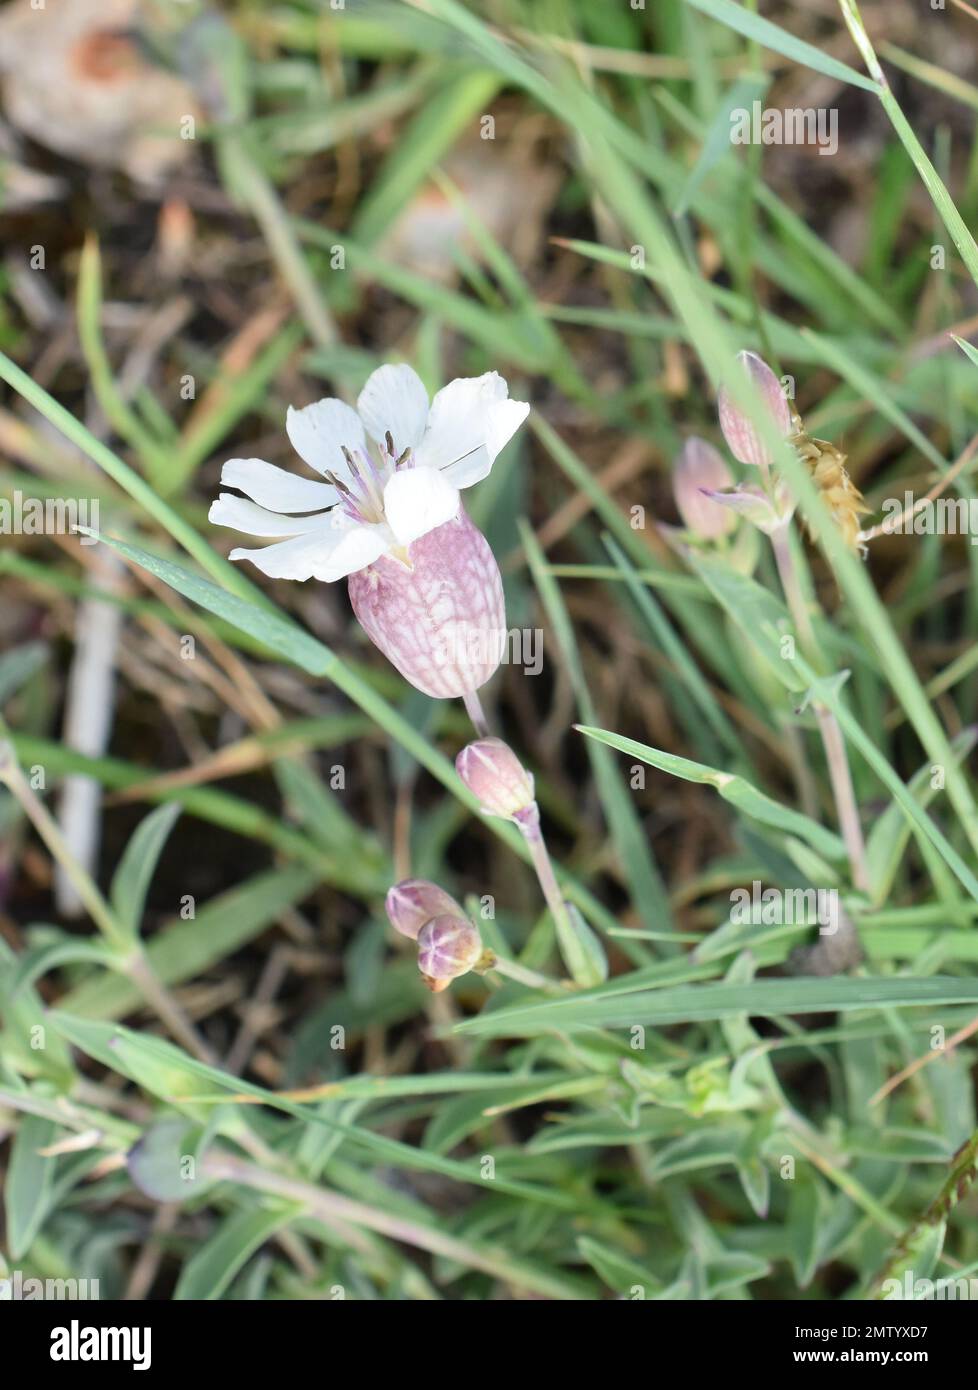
(338, 483)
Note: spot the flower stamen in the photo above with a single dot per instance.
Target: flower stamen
(363, 495)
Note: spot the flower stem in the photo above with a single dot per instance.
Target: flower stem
(476, 713)
(540, 858)
(792, 589)
(166, 1008)
(531, 978)
(844, 794)
(836, 756)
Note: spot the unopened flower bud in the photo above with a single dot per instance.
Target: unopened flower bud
(414, 901)
(743, 439)
(698, 469)
(448, 946)
(491, 770)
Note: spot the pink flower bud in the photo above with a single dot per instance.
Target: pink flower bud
(448, 947)
(439, 617)
(492, 772)
(414, 901)
(742, 437)
(698, 469)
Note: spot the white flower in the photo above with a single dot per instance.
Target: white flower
(374, 508)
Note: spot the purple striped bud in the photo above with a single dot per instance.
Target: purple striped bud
(742, 437)
(698, 467)
(440, 617)
(448, 947)
(414, 901)
(492, 772)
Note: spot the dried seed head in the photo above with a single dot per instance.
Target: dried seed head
(828, 469)
(448, 947)
(492, 772)
(700, 468)
(414, 901)
(742, 437)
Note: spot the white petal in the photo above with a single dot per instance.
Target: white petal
(274, 487)
(292, 559)
(469, 423)
(394, 399)
(328, 556)
(355, 550)
(416, 500)
(320, 432)
(505, 419)
(230, 510)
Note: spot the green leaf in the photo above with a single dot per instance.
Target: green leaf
(926, 1250)
(29, 1184)
(157, 1161)
(24, 1040)
(803, 1228)
(779, 40)
(969, 349)
(767, 998)
(755, 1179)
(454, 1120)
(277, 633)
(212, 1267)
(581, 950)
(724, 1273)
(706, 1147)
(168, 1073)
(940, 197)
(622, 1275)
(132, 878)
(67, 950)
(761, 619)
(737, 790)
(886, 843)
